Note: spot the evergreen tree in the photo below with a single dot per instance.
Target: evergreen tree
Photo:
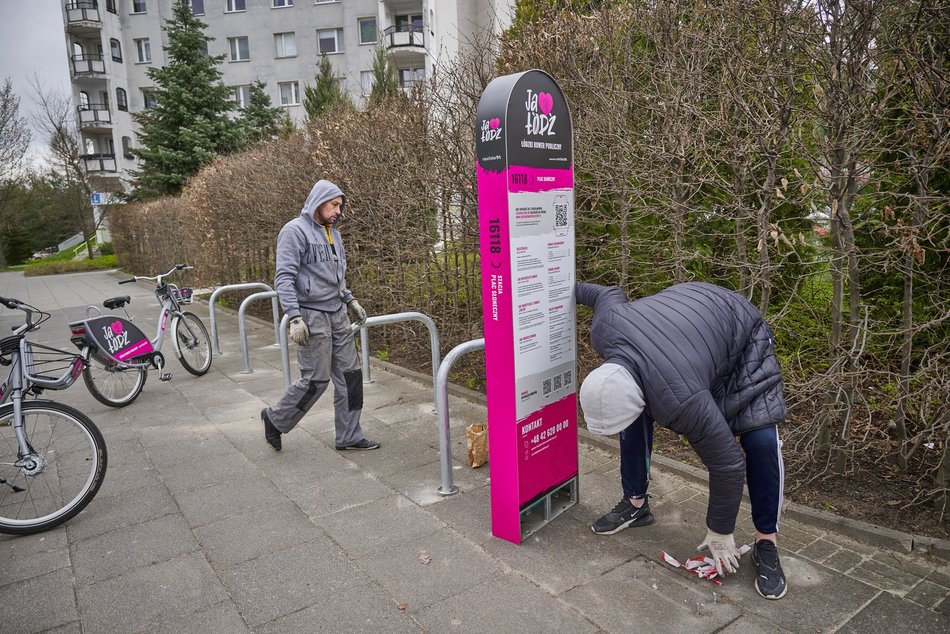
(385, 86)
(326, 94)
(261, 120)
(286, 126)
(190, 123)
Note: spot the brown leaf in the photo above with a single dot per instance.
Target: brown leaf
(402, 606)
(424, 557)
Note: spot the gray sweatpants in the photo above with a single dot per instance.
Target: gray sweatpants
(330, 354)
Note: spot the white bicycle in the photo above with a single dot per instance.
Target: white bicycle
(119, 354)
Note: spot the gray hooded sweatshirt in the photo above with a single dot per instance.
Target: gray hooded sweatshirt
(311, 272)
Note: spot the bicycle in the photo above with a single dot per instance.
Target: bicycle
(52, 457)
(119, 355)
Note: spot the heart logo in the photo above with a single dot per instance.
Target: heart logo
(116, 327)
(545, 102)
(494, 123)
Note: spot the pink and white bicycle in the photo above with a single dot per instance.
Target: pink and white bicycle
(119, 354)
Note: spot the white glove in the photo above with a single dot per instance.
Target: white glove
(299, 333)
(723, 550)
(357, 311)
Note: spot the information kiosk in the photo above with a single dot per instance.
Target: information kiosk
(526, 220)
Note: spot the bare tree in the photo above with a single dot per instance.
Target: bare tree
(58, 125)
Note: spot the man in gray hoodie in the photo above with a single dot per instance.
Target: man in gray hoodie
(311, 285)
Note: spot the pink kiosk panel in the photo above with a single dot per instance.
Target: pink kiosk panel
(526, 218)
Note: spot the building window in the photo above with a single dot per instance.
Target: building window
(116, 50)
(279, 4)
(368, 31)
(242, 95)
(143, 50)
(330, 41)
(127, 148)
(289, 93)
(149, 99)
(236, 5)
(240, 51)
(121, 99)
(110, 6)
(366, 82)
(139, 6)
(285, 44)
(410, 76)
(197, 7)
(83, 100)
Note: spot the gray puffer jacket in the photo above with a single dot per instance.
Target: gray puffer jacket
(703, 357)
(311, 272)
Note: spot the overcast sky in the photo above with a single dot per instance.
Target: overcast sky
(32, 42)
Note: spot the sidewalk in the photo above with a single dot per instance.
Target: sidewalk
(201, 527)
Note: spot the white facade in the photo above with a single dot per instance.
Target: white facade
(112, 43)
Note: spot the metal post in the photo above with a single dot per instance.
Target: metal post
(212, 302)
(284, 349)
(364, 344)
(379, 320)
(242, 330)
(442, 409)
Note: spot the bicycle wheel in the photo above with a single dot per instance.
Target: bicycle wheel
(194, 344)
(112, 384)
(61, 475)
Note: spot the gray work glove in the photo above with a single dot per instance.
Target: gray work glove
(723, 550)
(357, 312)
(299, 333)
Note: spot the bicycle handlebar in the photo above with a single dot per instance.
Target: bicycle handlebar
(30, 325)
(10, 303)
(160, 277)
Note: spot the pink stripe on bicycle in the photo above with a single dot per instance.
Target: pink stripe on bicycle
(138, 348)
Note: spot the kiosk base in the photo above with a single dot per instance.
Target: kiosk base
(548, 506)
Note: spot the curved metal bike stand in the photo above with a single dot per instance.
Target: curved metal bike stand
(284, 348)
(242, 329)
(212, 302)
(379, 320)
(442, 408)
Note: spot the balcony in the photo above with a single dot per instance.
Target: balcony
(86, 65)
(95, 115)
(98, 163)
(82, 17)
(405, 43)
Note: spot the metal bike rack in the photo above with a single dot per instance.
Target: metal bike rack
(242, 329)
(442, 408)
(284, 349)
(379, 320)
(212, 302)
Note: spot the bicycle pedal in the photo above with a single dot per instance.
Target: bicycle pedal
(165, 376)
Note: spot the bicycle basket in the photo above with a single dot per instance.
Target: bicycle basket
(51, 367)
(182, 295)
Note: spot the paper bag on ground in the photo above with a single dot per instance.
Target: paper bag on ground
(477, 444)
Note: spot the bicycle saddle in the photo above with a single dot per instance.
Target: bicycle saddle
(117, 302)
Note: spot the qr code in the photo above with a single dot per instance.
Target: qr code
(560, 214)
(546, 387)
(557, 381)
(568, 378)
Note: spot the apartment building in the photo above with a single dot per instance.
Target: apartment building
(112, 44)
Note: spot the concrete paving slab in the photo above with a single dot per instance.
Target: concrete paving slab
(335, 493)
(120, 511)
(189, 476)
(316, 573)
(887, 614)
(38, 603)
(135, 601)
(656, 600)
(210, 504)
(123, 478)
(422, 484)
(381, 525)
(259, 532)
(516, 605)
(433, 567)
(124, 549)
(221, 618)
(32, 555)
(468, 513)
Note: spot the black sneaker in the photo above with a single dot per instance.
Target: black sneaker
(361, 445)
(769, 578)
(623, 516)
(271, 433)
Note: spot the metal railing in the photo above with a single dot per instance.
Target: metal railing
(404, 35)
(99, 162)
(212, 302)
(442, 410)
(242, 329)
